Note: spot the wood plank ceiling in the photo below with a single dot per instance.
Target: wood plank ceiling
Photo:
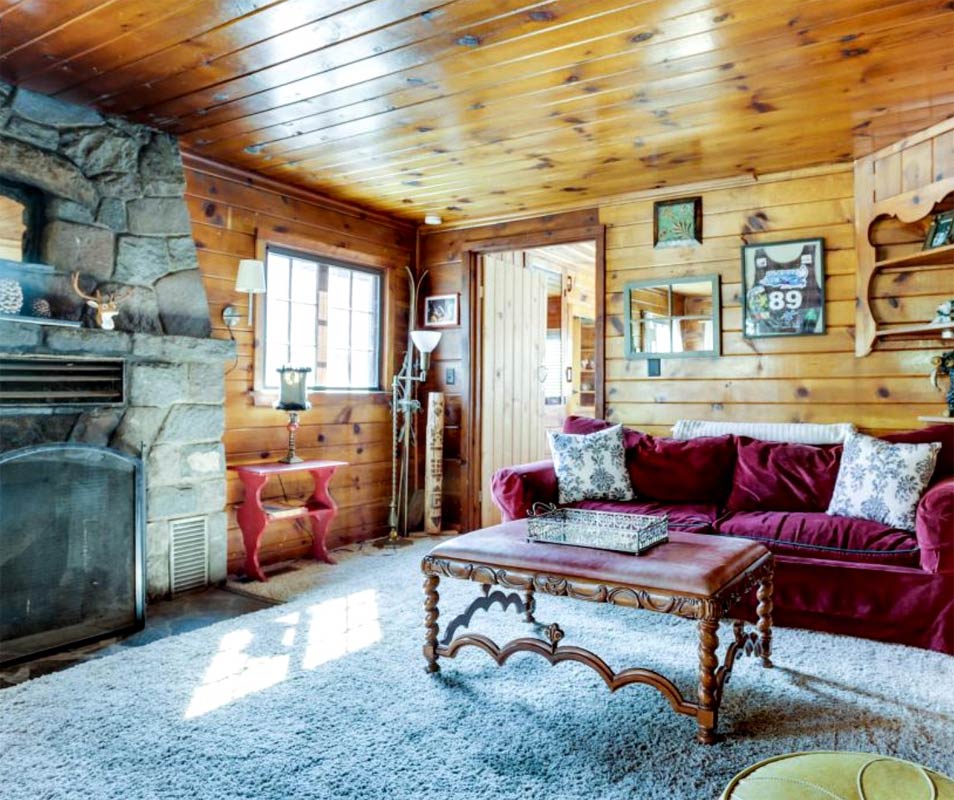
(477, 109)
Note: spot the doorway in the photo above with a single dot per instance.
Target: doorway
(538, 352)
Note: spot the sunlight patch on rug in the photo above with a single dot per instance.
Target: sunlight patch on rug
(334, 628)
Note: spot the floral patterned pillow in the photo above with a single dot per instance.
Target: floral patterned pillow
(881, 481)
(591, 466)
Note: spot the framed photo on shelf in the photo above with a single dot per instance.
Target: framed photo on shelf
(677, 223)
(941, 231)
(442, 310)
(783, 288)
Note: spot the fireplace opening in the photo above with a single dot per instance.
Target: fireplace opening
(71, 547)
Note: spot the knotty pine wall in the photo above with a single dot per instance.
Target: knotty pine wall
(810, 378)
(796, 379)
(231, 211)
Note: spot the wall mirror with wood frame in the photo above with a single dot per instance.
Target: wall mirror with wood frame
(675, 318)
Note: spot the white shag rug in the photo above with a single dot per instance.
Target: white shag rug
(326, 697)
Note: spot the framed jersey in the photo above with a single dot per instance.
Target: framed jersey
(783, 288)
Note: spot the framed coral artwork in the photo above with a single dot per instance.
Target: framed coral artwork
(677, 223)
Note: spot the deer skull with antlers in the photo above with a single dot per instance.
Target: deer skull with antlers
(106, 304)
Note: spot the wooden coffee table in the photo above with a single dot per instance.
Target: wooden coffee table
(693, 576)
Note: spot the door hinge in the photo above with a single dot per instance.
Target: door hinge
(480, 292)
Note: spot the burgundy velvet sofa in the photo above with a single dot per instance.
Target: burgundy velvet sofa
(834, 574)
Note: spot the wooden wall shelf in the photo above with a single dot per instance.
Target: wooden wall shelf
(921, 258)
(904, 183)
(931, 329)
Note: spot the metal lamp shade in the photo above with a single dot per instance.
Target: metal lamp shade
(294, 389)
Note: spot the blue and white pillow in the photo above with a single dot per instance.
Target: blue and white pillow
(881, 481)
(591, 466)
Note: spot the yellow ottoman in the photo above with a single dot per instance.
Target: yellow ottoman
(838, 776)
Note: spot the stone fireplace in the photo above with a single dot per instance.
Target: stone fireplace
(112, 207)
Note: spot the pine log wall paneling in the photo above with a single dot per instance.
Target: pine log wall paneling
(790, 379)
(230, 213)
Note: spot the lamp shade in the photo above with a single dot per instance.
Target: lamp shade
(251, 276)
(425, 341)
(294, 389)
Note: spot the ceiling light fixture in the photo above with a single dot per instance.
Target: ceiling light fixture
(432, 219)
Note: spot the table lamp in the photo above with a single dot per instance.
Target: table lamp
(293, 398)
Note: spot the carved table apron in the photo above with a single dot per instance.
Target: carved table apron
(692, 576)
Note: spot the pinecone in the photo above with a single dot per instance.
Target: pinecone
(11, 296)
(41, 308)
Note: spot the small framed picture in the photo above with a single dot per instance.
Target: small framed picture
(941, 231)
(677, 223)
(442, 310)
(783, 288)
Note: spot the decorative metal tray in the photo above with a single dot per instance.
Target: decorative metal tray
(603, 530)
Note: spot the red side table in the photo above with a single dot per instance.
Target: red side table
(254, 515)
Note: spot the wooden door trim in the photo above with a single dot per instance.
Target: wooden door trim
(599, 323)
(470, 257)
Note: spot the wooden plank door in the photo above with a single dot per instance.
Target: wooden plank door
(513, 329)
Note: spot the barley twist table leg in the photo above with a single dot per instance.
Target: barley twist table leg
(529, 605)
(764, 611)
(707, 716)
(431, 614)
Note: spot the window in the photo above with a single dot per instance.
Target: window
(21, 220)
(324, 315)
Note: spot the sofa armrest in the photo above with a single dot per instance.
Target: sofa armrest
(935, 527)
(515, 489)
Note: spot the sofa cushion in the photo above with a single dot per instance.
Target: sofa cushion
(590, 466)
(817, 535)
(776, 476)
(584, 425)
(669, 470)
(693, 471)
(882, 482)
(693, 518)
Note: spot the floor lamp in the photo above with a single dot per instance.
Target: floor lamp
(404, 406)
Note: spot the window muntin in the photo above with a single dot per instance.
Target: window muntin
(324, 315)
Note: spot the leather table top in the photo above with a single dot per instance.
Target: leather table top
(689, 564)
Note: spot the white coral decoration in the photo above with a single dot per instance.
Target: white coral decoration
(11, 296)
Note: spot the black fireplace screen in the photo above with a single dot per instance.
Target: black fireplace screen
(71, 547)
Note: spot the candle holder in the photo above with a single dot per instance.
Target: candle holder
(293, 399)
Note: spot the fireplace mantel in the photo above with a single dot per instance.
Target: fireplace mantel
(33, 339)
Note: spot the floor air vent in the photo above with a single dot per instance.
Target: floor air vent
(61, 382)
(189, 554)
